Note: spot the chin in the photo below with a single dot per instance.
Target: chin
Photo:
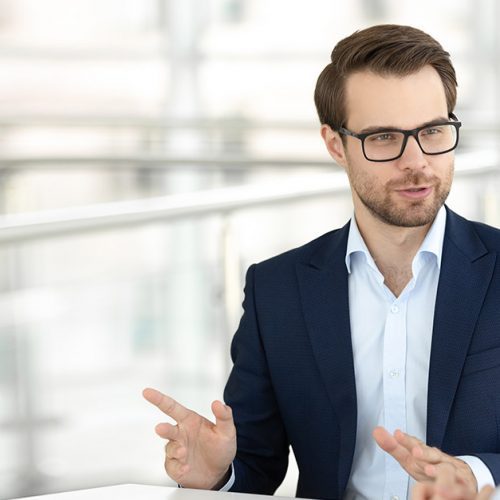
(416, 216)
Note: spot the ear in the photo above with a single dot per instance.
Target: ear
(334, 145)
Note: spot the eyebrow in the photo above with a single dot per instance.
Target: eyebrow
(377, 128)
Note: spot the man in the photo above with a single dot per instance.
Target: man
(385, 329)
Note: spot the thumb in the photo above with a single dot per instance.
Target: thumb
(223, 417)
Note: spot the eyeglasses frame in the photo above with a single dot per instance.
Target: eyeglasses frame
(407, 133)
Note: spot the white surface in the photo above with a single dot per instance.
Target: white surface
(140, 492)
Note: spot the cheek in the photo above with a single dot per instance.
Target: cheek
(366, 176)
(358, 167)
(444, 171)
(353, 154)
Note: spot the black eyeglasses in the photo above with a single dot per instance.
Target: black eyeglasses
(389, 144)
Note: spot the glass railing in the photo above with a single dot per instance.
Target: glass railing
(100, 301)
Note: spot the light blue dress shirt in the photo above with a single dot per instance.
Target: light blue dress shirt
(391, 340)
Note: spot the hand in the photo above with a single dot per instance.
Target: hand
(198, 453)
(447, 485)
(419, 460)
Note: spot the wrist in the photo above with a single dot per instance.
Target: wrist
(469, 474)
(222, 481)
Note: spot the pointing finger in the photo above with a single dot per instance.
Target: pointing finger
(384, 439)
(428, 454)
(409, 442)
(388, 443)
(166, 404)
(421, 453)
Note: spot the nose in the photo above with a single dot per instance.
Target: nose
(413, 157)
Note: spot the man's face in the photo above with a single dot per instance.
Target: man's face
(408, 191)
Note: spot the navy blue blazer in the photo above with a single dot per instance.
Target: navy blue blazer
(293, 383)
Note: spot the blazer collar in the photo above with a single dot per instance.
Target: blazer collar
(325, 303)
(333, 248)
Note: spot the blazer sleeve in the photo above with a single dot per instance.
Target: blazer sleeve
(262, 444)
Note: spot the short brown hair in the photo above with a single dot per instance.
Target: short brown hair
(385, 49)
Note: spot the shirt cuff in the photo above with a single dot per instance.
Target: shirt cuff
(480, 470)
(230, 483)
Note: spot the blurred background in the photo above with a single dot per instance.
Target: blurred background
(150, 150)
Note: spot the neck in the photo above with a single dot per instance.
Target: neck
(392, 248)
(392, 243)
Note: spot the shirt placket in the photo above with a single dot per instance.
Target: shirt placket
(394, 368)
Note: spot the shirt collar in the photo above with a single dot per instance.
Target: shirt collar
(432, 244)
(356, 244)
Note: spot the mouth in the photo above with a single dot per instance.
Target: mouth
(415, 192)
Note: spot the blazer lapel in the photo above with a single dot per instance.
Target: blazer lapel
(325, 301)
(466, 271)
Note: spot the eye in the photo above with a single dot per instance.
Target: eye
(432, 131)
(382, 137)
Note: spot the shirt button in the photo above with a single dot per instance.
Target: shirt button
(394, 374)
(394, 309)
(394, 497)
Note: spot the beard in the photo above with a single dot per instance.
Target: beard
(413, 213)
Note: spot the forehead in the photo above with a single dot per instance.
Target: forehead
(401, 101)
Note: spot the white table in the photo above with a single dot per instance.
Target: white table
(141, 492)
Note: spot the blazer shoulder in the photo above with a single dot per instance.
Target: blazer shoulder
(474, 239)
(490, 235)
(316, 250)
